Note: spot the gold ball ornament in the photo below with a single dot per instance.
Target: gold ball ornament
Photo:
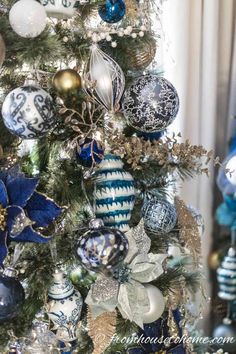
(141, 56)
(66, 81)
(214, 260)
(2, 50)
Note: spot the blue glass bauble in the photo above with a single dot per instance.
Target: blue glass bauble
(114, 193)
(113, 11)
(89, 153)
(150, 104)
(12, 295)
(102, 249)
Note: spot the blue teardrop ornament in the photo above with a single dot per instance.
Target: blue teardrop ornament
(113, 11)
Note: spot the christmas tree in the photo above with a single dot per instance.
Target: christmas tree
(98, 252)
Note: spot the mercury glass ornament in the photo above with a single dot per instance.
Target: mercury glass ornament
(102, 249)
(140, 57)
(28, 18)
(226, 277)
(159, 216)
(150, 104)
(29, 112)
(2, 50)
(12, 295)
(65, 305)
(61, 9)
(112, 11)
(157, 304)
(114, 193)
(104, 79)
(67, 81)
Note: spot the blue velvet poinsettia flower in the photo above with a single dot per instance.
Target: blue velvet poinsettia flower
(23, 211)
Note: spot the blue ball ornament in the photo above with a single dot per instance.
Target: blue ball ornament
(89, 153)
(113, 11)
(12, 295)
(102, 249)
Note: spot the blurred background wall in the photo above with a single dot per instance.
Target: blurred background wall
(199, 57)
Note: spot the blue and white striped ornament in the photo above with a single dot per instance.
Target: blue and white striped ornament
(226, 276)
(114, 193)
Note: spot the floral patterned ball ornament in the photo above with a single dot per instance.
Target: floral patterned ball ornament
(159, 216)
(29, 112)
(150, 104)
(102, 249)
(65, 305)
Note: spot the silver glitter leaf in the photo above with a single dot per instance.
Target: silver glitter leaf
(104, 289)
(139, 242)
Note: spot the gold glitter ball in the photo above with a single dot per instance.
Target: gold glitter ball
(3, 217)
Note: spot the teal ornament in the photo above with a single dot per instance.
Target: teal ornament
(102, 249)
(89, 153)
(114, 193)
(226, 277)
(113, 11)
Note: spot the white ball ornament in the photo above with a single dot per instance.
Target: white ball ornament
(231, 166)
(141, 34)
(134, 35)
(103, 35)
(113, 44)
(29, 112)
(108, 38)
(126, 32)
(28, 18)
(157, 304)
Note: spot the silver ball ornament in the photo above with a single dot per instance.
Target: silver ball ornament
(226, 331)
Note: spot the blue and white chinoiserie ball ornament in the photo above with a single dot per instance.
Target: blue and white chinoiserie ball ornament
(102, 249)
(65, 305)
(114, 193)
(159, 215)
(112, 11)
(150, 104)
(29, 112)
(61, 9)
(226, 276)
(89, 152)
(12, 295)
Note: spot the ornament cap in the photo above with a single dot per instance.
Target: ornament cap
(58, 276)
(10, 272)
(96, 224)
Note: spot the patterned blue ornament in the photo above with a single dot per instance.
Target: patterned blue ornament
(226, 277)
(12, 295)
(29, 112)
(89, 153)
(150, 104)
(102, 249)
(114, 194)
(65, 305)
(159, 216)
(113, 11)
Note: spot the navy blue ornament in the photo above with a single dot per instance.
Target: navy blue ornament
(113, 11)
(89, 153)
(102, 249)
(150, 136)
(12, 295)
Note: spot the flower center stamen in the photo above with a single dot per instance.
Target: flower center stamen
(3, 218)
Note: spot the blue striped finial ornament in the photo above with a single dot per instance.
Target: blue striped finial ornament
(114, 193)
(226, 276)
